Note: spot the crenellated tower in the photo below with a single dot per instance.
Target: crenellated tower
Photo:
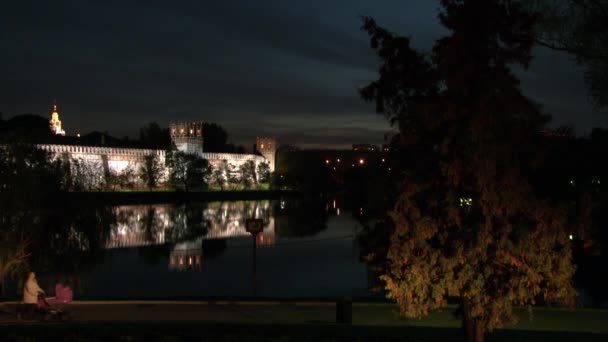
(55, 123)
(268, 148)
(187, 136)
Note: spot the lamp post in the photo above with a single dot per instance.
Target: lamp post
(254, 227)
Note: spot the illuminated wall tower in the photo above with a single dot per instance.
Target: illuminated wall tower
(187, 136)
(268, 148)
(55, 123)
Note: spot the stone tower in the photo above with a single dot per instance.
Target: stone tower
(187, 136)
(55, 123)
(268, 148)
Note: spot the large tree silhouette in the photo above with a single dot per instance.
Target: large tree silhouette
(467, 224)
(578, 28)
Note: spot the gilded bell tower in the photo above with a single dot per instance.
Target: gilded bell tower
(55, 123)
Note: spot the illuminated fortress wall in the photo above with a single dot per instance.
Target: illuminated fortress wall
(117, 159)
(186, 136)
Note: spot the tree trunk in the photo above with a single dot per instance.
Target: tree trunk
(1, 285)
(473, 328)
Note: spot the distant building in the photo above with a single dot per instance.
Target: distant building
(55, 123)
(268, 148)
(187, 136)
(365, 148)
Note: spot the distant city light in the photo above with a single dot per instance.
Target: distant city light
(361, 161)
(334, 168)
(326, 161)
(383, 160)
(571, 237)
(334, 204)
(78, 135)
(338, 160)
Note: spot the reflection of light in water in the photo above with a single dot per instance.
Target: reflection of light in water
(334, 204)
(282, 204)
(338, 211)
(225, 220)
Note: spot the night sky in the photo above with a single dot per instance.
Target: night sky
(278, 68)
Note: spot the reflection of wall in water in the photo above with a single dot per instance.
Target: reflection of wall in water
(147, 225)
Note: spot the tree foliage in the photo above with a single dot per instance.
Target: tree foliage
(150, 172)
(215, 138)
(263, 172)
(467, 224)
(153, 136)
(187, 171)
(579, 28)
(248, 175)
(28, 179)
(221, 174)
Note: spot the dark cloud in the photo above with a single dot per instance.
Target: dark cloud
(283, 68)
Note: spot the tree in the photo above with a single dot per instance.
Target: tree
(153, 136)
(215, 138)
(577, 27)
(150, 171)
(467, 224)
(220, 174)
(28, 181)
(13, 253)
(126, 178)
(234, 175)
(263, 171)
(187, 171)
(248, 176)
(27, 128)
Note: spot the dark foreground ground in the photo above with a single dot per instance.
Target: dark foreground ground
(283, 321)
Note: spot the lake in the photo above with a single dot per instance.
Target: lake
(307, 249)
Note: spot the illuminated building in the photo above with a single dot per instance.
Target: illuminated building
(365, 148)
(187, 136)
(268, 148)
(55, 123)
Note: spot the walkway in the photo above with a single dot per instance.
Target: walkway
(303, 313)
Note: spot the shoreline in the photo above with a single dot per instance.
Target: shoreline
(157, 197)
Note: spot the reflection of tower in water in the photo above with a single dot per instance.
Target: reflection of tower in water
(186, 256)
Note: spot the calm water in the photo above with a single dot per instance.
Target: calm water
(202, 250)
